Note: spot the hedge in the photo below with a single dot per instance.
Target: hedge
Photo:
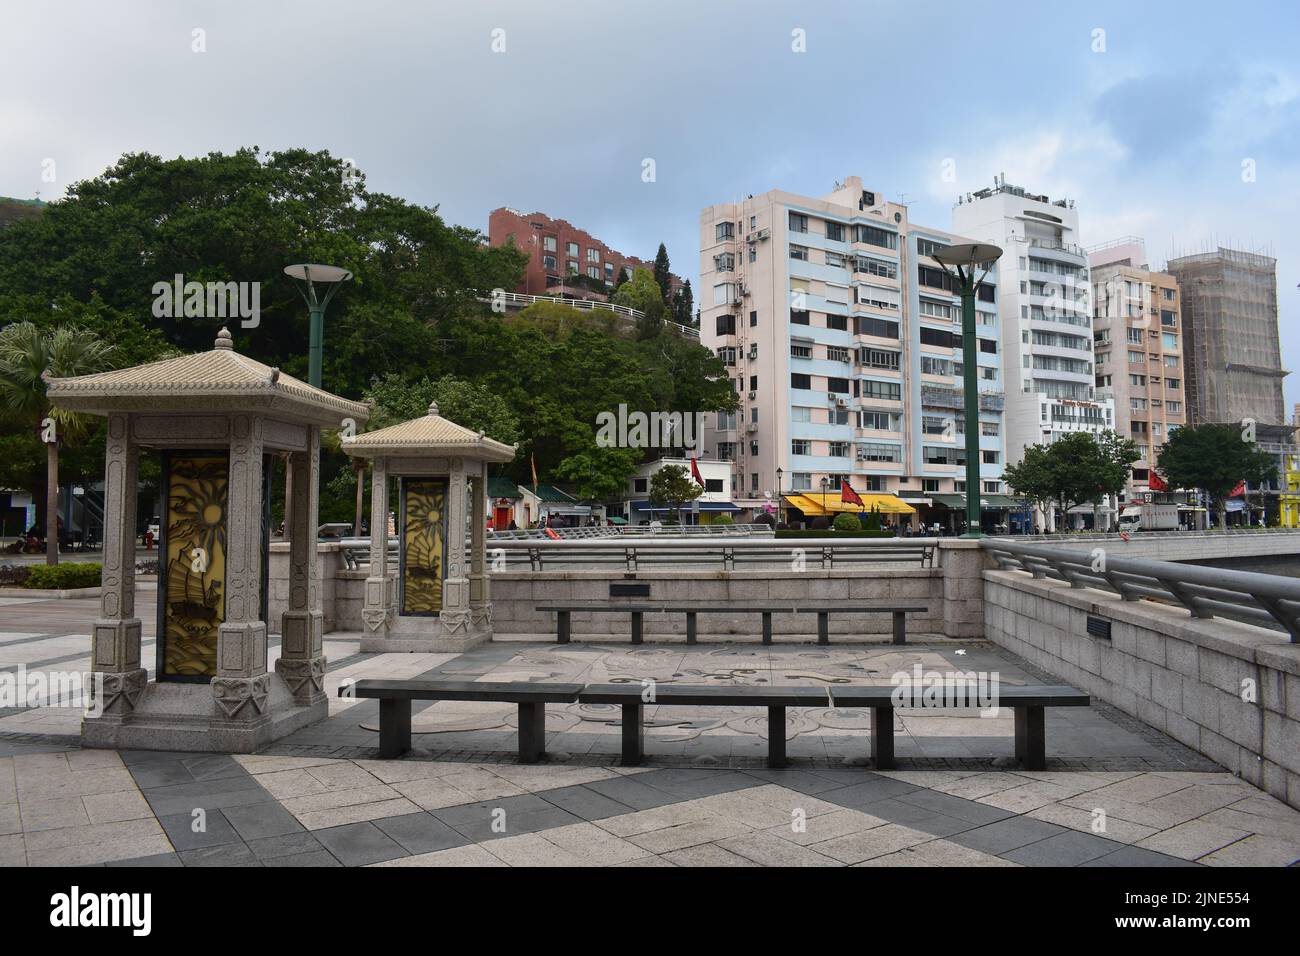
(828, 533)
(64, 577)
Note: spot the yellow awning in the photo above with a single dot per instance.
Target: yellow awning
(811, 504)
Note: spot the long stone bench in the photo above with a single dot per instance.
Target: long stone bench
(395, 698)
(564, 616)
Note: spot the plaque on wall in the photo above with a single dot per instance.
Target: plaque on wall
(424, 545)
(191, 605)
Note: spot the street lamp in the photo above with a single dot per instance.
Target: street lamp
(308, 275)
(826, 483)
(965, 259)
(779, 496)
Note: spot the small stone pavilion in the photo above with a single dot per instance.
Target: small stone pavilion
(432, 600)
(218, 418)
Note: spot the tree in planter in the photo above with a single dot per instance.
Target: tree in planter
(672, 486)
(846, 522)
(1214, 458)
(26, 354)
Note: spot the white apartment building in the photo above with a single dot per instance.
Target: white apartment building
(843, 341)
(1046, 327)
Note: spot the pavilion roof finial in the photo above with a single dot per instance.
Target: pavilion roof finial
(224, 341)
(433, 408)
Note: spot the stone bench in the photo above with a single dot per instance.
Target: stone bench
(564, 611)
(1027, 704)
(395, 698)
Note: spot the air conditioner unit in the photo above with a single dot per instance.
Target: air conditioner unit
(758, 235)
(753, 395)
(831, 397)
(841, 403)
(751, 427)
(753, 351)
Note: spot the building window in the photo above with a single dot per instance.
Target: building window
(801, 481)
(801, 351)
(890, 391)
(799, 252)
(836, 353)
(548, 263)
(593, 255)
(878, 328)
(798, 222)
(799, 316)
(800, 380)
(874, 236)
(801, 446)
(930, 485)
(571, 249)
(879, 421)
(726, 262)
(724, 230)
(876, 451)
(726, 325)
(835, 231)
(839, 449)
(1173, 384)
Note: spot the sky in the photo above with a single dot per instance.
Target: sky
(1178, 122)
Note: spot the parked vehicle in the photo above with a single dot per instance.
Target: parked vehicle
(1149, 517)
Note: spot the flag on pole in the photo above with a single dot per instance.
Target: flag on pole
(533, 461)
(695, 472)
(1156, 483)
(848, 495)
(1239, 490)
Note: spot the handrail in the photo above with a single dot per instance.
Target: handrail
(631, 554)
(585, 305)
(1264, 600)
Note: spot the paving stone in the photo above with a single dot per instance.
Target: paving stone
(160, 859)
(313, 859)
(867, 791)
(585, 803)
(470, 855)
(766, 849)
(1137, 856)
(421, 832)
(1009, 834)
(290, 844)
(970, 810)
(359, 844)
(231, 854)
(877, 841)
(216, 830)
(591, 844)
(631, 792)
(259, 820)
(1193, 839)
(691, 833)
(481, 830)
(1255, 850)
(706, 855)
(1071, 848)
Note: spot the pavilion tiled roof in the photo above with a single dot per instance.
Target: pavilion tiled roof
(219, 374)
(431, 434)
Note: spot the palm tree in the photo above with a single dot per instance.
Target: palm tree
(27, 353)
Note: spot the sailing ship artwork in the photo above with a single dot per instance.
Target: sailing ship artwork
(194, 600)
(423, 545)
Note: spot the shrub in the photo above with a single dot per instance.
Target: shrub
(847, 522)
(820, 523)
(871, 520)
(63, 577)
(14, 574)
(722, 519)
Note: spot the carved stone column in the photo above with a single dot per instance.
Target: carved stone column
(302, 626)
(480, 608)
(115, 642)
(377, 612)
(242, 685)
(455, 583)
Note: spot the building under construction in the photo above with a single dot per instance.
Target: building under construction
(1232, 357)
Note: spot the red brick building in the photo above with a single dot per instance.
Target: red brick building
(558, 250)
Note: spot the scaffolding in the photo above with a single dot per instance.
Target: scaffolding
(1232, 355)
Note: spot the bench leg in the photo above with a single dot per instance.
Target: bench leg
(776, 737)
(633, 736)
(690, 627)
(900, 627)
(823, 627)
(1031, 738)
(563, 627)
(532, 731)
(882, 737)
(394, 727)
(767, 627)
(637, 624)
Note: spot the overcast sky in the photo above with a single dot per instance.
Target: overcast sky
(1144, 113)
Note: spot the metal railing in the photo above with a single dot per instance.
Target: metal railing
(1265, 600)
(663, 551)
(584, 305)
(1066, 538)
(610, 531)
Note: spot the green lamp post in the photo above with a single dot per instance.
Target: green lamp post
(308, 275)
(965, 259)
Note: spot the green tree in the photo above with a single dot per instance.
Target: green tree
(1033, 477)
(598, 474)
(27, 355)
(642, 293)
(684, 306)
(672, 486)
(1215, 459)
(470, 404)
(663, 273)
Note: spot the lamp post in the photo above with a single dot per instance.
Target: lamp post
(826, 483)
(308, 275)
(965, 259)
(779, 495)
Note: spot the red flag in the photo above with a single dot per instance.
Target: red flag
(533, 461)
(848, 495)
(695, 473)
(1239, 490)
(1156, 483)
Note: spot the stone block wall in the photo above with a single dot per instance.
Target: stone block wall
(1230, 691)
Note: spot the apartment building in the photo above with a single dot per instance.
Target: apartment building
(843, 340)
(562, 257)
(1046, 323)
(1138, 346)
(1234, 358)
